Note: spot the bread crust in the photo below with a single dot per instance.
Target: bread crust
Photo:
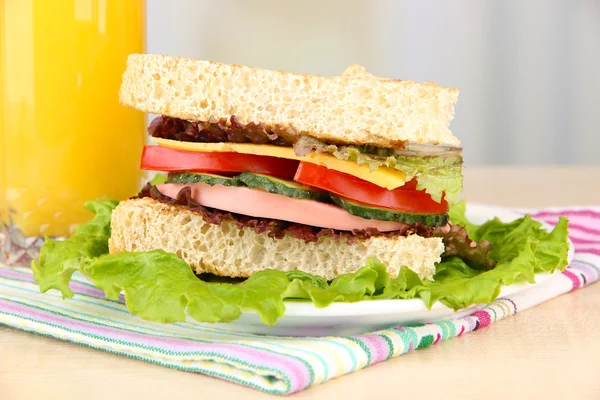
(341, 109)
(230, 250)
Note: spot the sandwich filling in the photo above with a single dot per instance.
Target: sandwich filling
(438, 168)
(275, 228)
(278, 182)
(247, 170)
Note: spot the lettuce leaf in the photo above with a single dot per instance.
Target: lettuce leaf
(60, 259)
(362, 284)
(159, 286)
(158, 179)
(437, 175)
(457, 214)
(458, 243)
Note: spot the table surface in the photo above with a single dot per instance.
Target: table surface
(513, 358)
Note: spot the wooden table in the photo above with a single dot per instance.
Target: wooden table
(550, 351)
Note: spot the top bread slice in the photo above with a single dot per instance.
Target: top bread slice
(358, 71)
(357, 109)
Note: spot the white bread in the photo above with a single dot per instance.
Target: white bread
(228, 250)
(359, 110)
(358, 71)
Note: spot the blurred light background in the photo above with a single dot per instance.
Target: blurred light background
(528, 71)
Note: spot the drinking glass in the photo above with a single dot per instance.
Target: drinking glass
(64, 137)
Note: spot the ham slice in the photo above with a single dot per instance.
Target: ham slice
(262, 204)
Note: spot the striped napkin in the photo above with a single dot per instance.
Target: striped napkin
(278, 365)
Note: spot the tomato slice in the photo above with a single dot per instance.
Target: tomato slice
(166, 159)
(403, 199)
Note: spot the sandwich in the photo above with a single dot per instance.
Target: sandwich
(276, 187)
(274, 170)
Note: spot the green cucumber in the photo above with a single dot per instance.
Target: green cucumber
(383, 214)
(209, 179)
(252, 181)
(280, 186)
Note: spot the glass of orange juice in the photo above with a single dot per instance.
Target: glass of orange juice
(64, 137)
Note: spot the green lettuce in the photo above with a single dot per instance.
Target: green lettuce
(158, 179)
(159, 286)
(457, 215)
(60, 259)
(437, 175)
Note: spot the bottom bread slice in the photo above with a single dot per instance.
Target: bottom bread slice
(230, 250)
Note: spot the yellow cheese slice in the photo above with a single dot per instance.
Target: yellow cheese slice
(385, 177)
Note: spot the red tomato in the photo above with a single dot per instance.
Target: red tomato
(404, 199)
(166, 159)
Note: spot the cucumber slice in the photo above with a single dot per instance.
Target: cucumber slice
(252, 181)
(209, 179)
(383, 214)
(280, 186)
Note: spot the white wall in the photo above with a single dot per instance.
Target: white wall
(528, 70)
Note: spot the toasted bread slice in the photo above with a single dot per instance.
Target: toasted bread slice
(228, 250)
(359, 110)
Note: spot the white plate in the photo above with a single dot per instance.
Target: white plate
(304, 319)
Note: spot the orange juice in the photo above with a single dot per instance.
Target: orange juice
(64, 137)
